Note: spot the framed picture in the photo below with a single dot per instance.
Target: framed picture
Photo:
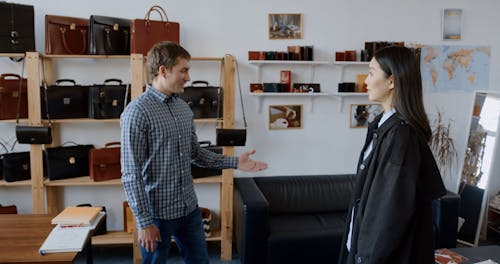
(285, 116)
(452, 24)
(361, 114)
(285, 26)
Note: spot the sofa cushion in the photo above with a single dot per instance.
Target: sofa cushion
(307, 194)
(305, 238)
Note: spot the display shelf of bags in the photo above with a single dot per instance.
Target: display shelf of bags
(15, 184)
(81, 181)
(84, 56)
(12, 55)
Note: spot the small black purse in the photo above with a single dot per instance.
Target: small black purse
(33, 134)
(232, 136)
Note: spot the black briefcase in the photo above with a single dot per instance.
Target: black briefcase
(108, 101)
(65, 101)
(109, 35)
(198, 171)
(17, 28)
(203, 99)
(15, 166)
(67, 162)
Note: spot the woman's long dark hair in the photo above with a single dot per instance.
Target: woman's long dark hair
(403, 65)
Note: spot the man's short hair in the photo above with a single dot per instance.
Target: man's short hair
(164, 53)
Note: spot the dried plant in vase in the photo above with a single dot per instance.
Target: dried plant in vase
(442, 145)
(472, 172)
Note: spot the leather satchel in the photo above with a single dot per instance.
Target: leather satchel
(65, 101)
(109, 35)
(9, 96)
(16, 166)
(104, 163)
(34, 134)
(66, 35)
(203, 99)
(198, 171)
(67, 161)
(17, 30)
(231, 137)
(108, 101)
(145, 33)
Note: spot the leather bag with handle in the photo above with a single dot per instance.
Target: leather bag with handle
(15, 166)
(26, 134)
(17, 30)
(67, 161)
(66, 101)
(146, 32)
(109, 35)
(198, 171)
(9, 96)
(203, 99)
(104, 163)
(108, 100)
(66, 35)
(232, 136)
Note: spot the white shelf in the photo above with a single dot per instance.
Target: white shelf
(310, 64)
(311, 96)
(344, 64)
(341, 96)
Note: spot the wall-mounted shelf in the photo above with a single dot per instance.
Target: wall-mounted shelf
(344, 64)
(311, 96)
(12, 55)
(310, 64)
(341, 96)
(16, 183)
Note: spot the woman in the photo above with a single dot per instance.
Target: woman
(390, 220)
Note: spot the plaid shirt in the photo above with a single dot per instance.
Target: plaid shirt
(158, 144)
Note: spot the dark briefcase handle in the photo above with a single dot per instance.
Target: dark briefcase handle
(113, 80)
(65, 80)
(115, 143)
(205, 83)
(17, 76)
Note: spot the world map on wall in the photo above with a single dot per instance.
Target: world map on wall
(451, 68)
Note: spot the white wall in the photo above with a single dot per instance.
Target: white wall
(325, 144)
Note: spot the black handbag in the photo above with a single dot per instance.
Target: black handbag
(108, 101)
(198, 171)
(109, 35)
(33, 134)
(65, 101)
(232, 136)
(15, 166)
(203, 99)
(67, 162)
(17, 28)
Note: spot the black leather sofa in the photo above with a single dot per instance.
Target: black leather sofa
(301, 219)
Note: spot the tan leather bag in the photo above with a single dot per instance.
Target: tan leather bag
(145, 33)
(105, 163)
(66, 35)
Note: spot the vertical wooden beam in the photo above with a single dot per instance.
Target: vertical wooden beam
(34, 118)
(226, 214)
(137, 76)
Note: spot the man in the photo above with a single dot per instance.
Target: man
(158, 144)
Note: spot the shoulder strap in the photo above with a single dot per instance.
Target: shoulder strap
(221, 92)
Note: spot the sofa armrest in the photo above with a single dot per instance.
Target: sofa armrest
(251, 213)
(445, 211)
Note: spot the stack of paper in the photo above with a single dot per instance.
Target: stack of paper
(77, 216)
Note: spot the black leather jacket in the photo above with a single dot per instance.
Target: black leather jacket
(393, 195)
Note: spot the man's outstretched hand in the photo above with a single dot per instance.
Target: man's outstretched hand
(245, 163)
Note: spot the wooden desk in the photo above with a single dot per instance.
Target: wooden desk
(22, 235)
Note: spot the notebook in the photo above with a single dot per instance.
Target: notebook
(65, 239)
(77, 216)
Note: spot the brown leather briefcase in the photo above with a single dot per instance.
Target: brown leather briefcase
(9, 96)
(105, 163)
(66, 35)
(145, 33)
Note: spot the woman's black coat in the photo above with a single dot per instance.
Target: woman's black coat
(393, 197)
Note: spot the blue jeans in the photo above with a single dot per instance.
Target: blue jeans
(189, 235)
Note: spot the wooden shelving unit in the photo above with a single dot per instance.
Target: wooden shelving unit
(45, 192)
